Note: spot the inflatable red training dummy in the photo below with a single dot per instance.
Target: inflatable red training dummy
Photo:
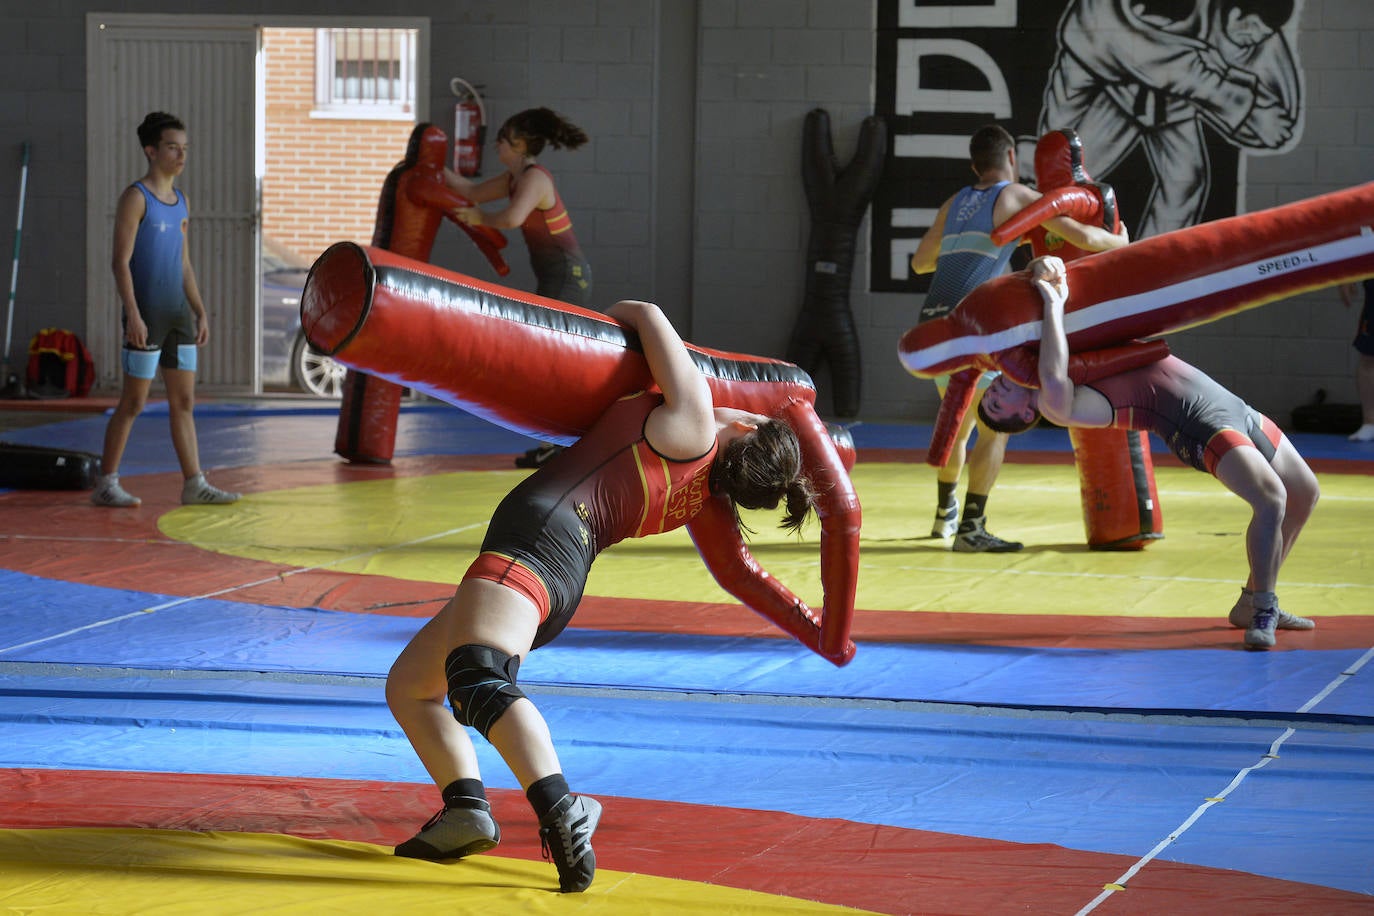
(413, 202)
(1116, 474)
(539, 366)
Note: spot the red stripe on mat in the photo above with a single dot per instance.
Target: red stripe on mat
(879, 868)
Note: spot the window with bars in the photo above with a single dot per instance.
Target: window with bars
(365, 73)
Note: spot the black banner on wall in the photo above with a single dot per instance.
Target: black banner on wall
(1167, 95)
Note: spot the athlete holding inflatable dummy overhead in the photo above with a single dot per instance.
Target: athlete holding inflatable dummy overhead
(540, 367)
(1205, 425)
(1159, 285)
(648, 465)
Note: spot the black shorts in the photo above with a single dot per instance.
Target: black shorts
(537, 545)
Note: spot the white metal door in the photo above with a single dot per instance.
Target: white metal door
(203, 71)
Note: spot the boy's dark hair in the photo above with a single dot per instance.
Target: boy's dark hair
(1011, 425)
(150, 131)
(988, 147)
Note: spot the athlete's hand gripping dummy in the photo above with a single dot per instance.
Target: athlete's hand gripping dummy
(413, 202)
(1159, 285)
(1116, 475)
(545, 368)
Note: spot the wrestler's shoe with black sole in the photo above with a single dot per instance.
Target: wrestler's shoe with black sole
(452, 834)
(565, 834)
(946, 521)
(1260, 634)
(1244, 612)
(974, 537)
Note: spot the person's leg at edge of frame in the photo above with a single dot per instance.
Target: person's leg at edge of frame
(1364, 386)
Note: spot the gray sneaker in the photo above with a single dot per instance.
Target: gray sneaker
(1244, 612)
(197, 491)
(946, 521)
(565, 834)
(1260, 635)
(452, 834)
(974, 537)
(110, 494)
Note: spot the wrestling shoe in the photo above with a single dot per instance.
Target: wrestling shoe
(1260, 635)
(452, 834)
(197, 491)
(974, 537)
(946, 521)
(1364, 434)
(109, 493)
(565, 834)
(1244, 611)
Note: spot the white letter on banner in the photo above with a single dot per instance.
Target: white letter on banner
(911, 98)
(914, 14)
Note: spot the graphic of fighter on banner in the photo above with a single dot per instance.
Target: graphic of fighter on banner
(1168, 94)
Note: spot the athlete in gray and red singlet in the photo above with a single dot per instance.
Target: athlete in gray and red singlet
(1206, 426)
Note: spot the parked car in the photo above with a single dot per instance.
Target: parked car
(288, 361)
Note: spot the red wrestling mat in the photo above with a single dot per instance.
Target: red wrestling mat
(883, 869)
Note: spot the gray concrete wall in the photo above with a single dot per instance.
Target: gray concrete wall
(690, 192)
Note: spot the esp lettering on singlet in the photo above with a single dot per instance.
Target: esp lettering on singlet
(620, 486)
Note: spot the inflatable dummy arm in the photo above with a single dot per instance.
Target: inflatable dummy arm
(1093, 204)
(718, 539)
(428, 190)
(545, 368)
(1022, 365)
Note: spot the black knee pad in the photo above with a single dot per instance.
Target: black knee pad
(481, 685)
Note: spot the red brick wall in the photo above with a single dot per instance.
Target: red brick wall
(323, 174)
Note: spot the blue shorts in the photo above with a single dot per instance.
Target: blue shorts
(143, 363)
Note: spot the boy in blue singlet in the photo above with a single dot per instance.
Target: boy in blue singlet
(164, 318)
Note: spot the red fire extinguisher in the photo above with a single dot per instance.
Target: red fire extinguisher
(469, 128)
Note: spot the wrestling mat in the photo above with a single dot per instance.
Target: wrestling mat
(192, 715)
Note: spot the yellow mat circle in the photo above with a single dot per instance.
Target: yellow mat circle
(105, 870)
(430, 528)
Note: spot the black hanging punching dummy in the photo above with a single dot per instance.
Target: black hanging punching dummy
(838, 199)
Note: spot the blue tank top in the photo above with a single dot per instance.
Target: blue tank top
(967, 255)
(156, 260)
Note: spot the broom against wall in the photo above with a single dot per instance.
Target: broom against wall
(10, 379)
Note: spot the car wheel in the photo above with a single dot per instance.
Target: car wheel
(312, 371)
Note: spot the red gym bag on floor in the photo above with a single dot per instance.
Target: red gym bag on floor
(60, 366)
